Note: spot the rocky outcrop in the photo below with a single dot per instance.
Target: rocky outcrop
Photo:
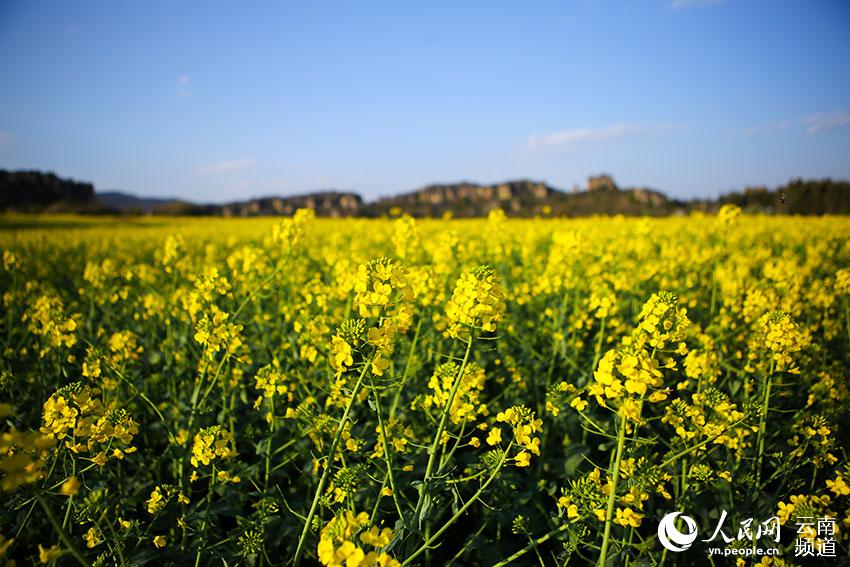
(327, 203)
(602, 182)
(467, 199)
(35, 191)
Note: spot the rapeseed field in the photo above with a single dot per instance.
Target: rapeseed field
(424, 392)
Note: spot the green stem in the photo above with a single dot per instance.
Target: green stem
(612, 494)
(374, 513)
(532, 545)
(693, 448)
(328, 465)
(765, 404)
(206, 517)
(410, 353)
(445, 458)
(115, 538)
(269, 447)
(598, 348)
(260, 287)
(629, 544)
(461, 511)
(70, 502)
(63, 535)
(847, 317)
(432, 453)
(713, 295)
(387, 455)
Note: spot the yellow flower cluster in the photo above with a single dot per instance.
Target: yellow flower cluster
(828, 390)
(171, 251)
(344, 344)
(97, 274)
(566, 502)
(811, 506)
(22, 457)
(405, 237)
(381, 286)
(815, 437)
(661, 321)
(838, 485)
(287, 234)
(710, 416)
(842, 282)
(382, 291)
(338, 548)
(93, 537)
(212, 443)
(638, 371)
(586, 497)
(207, 287)
(565, 249)
(525, 426)
(728, 214)
(398, 437)
(216, 334)
(161, 495)
(246, 263)
(271, 382)
(602, 302)
(478, 302)
(627, 374)
(11, 261)
(702, 366)
(782, 337)
(345, 484)
(47, 319)
(122, 348)
(627, 517)
(47, 554)
(209, 284)
(466, 405)
(76, 415)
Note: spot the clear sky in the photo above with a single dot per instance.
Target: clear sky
(215, 101)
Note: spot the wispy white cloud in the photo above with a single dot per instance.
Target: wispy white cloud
(184, 86)
(811, 125)
(760, 129)
(825, 121)
(5, 138)
(684, 4)
(226, 166)
(582, 137)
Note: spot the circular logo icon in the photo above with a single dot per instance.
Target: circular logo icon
(671, 538)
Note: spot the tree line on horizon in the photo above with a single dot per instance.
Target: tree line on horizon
(45, 192)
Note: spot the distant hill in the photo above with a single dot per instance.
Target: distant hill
(34, 191)
(127, 203)
(467, 199)
(640, 201)
(325, 203)
(798, 197)
(39, 192)
(527, 198)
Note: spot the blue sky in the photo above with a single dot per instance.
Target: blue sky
(215, 101)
